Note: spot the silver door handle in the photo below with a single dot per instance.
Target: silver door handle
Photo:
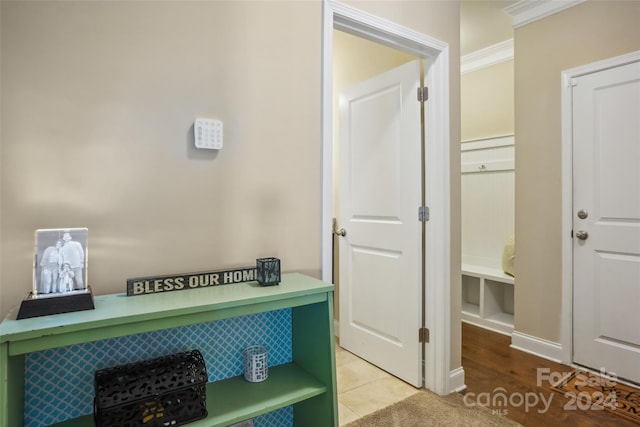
(341, 232)
(582, 235)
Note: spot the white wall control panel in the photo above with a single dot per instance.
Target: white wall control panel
(208, 133)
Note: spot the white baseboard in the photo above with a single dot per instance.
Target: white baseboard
(537, 346)
(456, 380)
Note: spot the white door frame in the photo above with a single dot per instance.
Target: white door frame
(437, 186)
(567, 192)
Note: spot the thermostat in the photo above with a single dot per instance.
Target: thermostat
(208, 133)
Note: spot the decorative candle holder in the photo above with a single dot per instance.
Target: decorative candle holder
(268, 271)
(256, 364)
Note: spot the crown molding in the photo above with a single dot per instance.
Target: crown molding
(527, 11)
(492, 55)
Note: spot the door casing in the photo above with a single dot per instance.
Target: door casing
(566, 337)
(437, 170)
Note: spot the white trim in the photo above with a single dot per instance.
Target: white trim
(566, 316)
(326, 231)
(437, 254)
(566, 313)
(595, 67)
(363, 24)
(526, 11)
(492, 55)
(438, 246)
(537, 346)
(484, 143)
(456, 380)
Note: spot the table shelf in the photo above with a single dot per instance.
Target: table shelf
(307, 383)
(234, 400)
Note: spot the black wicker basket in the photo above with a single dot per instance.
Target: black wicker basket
(167, 391)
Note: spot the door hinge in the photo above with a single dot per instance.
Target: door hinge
(423, 213)
(423, 94)
(423, 335)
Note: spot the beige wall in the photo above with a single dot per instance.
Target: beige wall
(98, 102)
(581, 35)
(356, 59)
(98, 105)
(487, 108)
(483, 23)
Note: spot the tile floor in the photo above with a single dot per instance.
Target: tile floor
(363, 388)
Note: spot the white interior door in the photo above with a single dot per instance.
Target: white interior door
(380, 192)
(606, 223)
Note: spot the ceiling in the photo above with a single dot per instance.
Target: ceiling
(483, 23)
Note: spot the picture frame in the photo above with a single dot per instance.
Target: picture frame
(60, 262)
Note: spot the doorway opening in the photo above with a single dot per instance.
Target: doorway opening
(487, 180)
(437, 247)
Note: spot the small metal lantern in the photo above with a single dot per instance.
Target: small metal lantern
(256, 364)
(268, 271)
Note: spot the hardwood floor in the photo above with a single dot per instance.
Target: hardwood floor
(489, 363)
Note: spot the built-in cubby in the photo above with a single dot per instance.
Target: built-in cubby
(487, 298)
(471, 295)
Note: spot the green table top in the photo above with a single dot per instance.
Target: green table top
(119, 309)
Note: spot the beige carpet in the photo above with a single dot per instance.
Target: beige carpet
(428, 409)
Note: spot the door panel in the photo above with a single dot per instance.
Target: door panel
(606, 147)
(380, 192)
(371, 265)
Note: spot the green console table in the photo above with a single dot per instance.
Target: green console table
(308, 382)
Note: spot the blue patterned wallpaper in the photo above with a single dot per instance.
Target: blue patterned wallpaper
(59, 382)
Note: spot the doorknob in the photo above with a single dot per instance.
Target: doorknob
(582, 235)
(341, 232)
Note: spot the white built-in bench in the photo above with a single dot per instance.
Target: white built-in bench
(487, 298)
(488, 218)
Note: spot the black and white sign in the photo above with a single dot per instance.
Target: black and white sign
(179, 282)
